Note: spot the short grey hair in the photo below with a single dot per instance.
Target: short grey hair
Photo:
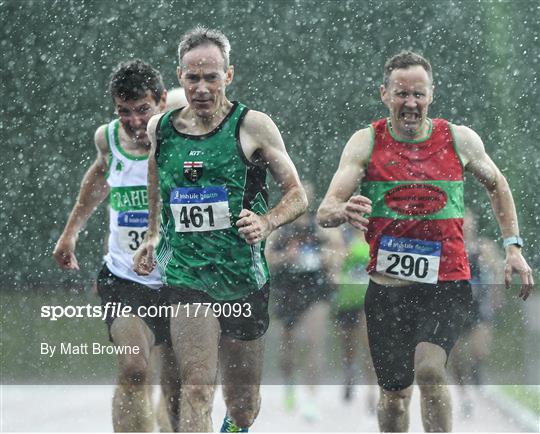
(403, 60)
(201, 35)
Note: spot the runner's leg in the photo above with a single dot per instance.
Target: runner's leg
(393, 410)
(195, 341)
(435, 401)
(314, 326)
(241, 370)
(349, 331)
(132, 407)
(171, 388)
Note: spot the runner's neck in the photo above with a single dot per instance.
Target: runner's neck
(132, 147)
(197, 125)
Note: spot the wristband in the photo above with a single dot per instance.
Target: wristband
(516, 240)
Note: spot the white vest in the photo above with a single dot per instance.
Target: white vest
(128, 210)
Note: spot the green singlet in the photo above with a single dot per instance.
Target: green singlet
(205, 181)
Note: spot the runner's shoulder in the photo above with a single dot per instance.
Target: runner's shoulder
(258, 131)
(359, 146)
(464, 134)
(468, 142)
(100, 139)
(363, 136)
(152, 124)
(256, 122)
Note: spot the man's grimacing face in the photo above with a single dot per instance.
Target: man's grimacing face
(134, 115)
(408, 96)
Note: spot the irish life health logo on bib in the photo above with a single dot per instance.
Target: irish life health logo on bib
(409, 259)
(132, 228)
(199, 209)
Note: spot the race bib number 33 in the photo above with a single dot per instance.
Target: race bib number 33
(409, 259)
(131, 230)
(198, 209)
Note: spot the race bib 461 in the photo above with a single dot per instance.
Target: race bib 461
(409, 259)
(198, 209)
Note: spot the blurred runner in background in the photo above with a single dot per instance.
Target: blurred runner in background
(304, 260)
(348, 305)
(473, 348)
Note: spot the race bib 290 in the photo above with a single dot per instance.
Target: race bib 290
(198, 209)
(409, 259)
(132, 228)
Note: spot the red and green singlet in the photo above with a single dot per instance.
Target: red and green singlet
(415, 230)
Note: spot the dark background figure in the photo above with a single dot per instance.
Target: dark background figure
(350, 319)
(473, 348)
(304, 260)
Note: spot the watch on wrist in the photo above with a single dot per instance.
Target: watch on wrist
(516, 240)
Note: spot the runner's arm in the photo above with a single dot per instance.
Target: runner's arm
(339, 205)
(144, 258)
(262, 143)
(476, 160)
(94, 189)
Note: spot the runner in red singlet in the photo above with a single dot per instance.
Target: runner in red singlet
(410, 169)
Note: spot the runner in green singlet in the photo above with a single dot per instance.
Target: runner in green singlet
(207, 198)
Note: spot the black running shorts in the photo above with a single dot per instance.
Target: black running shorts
(399, 318)
(244, 318)
(112, 288)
